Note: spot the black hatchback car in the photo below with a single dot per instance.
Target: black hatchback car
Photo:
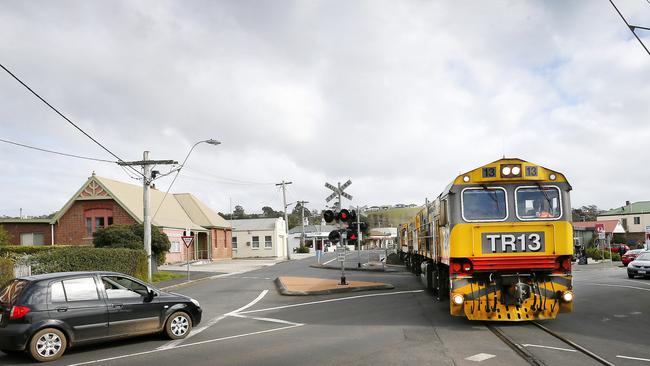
(46, 314)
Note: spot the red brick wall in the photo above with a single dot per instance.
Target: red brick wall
(15, 230)
(221, 243)
(71, 228)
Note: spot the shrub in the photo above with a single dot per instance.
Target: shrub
(131, 236)
(6, 270)
(5, 237)
(594, 253)
(616, 257)
(68, 259)
(302, 249)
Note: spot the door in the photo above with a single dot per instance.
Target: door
(76, 302)
(129, 309)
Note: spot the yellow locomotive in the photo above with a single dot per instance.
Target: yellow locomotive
(498, 242)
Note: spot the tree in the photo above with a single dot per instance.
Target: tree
(5, 237)
(585, 213)
(270, 212)
(132, 236)
(239, 213)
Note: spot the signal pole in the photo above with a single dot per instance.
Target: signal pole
(286, 219)
(147, 165)
(302, 222)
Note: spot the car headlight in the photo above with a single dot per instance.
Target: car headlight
(195, 302)
(631, 265)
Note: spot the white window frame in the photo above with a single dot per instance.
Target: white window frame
(268, 242)
(30, 242)
(234, 242)
(175, 246)
(559, 196)
(253, 242)
(462, 203)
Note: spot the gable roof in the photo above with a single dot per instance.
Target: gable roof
(129, 196)
(611, 226)
(254, 224)
(636, 208)
(199, 212)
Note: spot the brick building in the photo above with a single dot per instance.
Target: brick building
(102, 202)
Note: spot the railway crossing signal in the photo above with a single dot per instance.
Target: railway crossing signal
(342, 216)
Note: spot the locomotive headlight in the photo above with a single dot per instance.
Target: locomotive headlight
(567, 296)
(516, 170)
(458, 299)
(505, 171)
(552, 177)
(466, 179)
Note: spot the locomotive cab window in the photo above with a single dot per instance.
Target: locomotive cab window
(538, 203)
(484, 204)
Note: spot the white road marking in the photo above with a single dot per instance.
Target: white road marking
(636, 313)
(331, 300)
(184, 345)
(634, 358)
(620, 316)
(549, 347)
(624, 286)
(480, 357)
(212, 322)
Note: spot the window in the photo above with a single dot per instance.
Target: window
(268, 242)
(234, 242)
(484, 204)
(624, 224)
(175, 246)
(80, 289)
(538, 203)
(122, 287)
(97, 218)
(32, 239)
(57, 294)
(256, 242)
(637, 220)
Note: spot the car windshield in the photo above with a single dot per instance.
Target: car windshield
(644, 257)
(484, 204)
(11, 291)
(535, 203)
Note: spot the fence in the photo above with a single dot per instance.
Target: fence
(22, 270)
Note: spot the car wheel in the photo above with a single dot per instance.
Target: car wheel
(178, 325)
(47, 345)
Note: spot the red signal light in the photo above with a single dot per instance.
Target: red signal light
(344, 215)
(456, 267)
(18, 312)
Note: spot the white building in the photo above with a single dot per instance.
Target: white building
(314, 235)
(262, 238)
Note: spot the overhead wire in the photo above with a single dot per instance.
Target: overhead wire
(66, 118)
(56, 152)
(632, 27)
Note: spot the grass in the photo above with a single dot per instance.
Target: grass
(165, 276)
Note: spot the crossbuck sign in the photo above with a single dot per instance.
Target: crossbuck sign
(338, 190)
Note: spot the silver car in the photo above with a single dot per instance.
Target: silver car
(640, 266)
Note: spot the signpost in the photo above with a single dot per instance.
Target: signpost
(338, 192)
(187, 240)
(600, 229)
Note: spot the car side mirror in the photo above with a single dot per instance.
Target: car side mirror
(150, 295)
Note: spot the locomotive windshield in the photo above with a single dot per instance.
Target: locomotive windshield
(484, 204)
(535, 203)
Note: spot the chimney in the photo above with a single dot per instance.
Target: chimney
(153, 186)
(627, 203)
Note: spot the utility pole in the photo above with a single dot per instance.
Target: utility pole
(302, 222)
(147, 166)
(358, 237)
(286, 219)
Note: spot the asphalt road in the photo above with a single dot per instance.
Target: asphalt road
(246, 322)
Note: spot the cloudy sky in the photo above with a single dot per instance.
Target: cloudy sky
(398, 96)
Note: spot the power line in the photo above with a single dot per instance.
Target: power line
(64, 117)
(56, 152)
(632, 27)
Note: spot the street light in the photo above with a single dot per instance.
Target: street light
(147, 181)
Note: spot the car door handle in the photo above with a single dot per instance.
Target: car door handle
(62, 309)
(117, 306)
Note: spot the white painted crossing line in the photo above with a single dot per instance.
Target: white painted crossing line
(549, 347)
(331, 300)
(623, 286)
(634, 358)
(480, 357)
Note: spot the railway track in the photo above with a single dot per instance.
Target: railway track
(523, 350)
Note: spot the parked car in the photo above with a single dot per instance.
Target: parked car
(640, 266)
(46, 314)
(631, 255)
(620, 248)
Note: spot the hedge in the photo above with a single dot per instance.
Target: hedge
(69, 259)
(6, 270)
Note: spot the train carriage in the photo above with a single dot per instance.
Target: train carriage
(497, 242)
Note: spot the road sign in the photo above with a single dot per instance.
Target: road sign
(600, 229)
(647, 229)
(345, 185)
(338, 191)
(331, 197)
(187, 240)
(340, 253)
